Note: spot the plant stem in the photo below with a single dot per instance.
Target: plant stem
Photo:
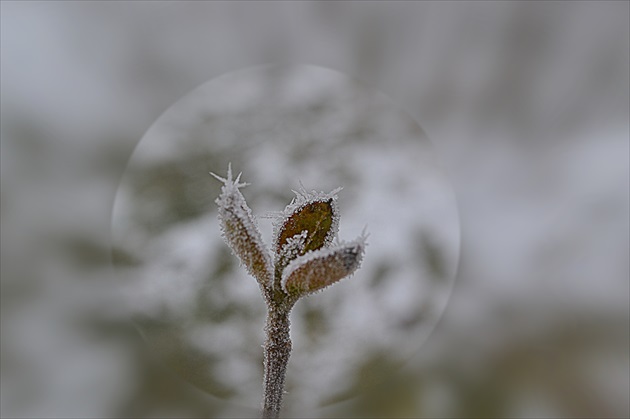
(277, 351)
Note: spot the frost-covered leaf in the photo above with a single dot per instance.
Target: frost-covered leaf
(318, 269)
(312, 212)
(240, 230)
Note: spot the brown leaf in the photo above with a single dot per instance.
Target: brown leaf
(318, 269)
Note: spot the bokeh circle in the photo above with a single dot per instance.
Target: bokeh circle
(280, 125)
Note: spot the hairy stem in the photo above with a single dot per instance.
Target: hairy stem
(277, 351)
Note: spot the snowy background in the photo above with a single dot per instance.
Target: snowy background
(523, 109)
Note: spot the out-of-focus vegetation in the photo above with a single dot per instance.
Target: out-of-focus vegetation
(527, 106)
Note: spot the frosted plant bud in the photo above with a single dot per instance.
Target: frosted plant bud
(240, 231)
(305, 262)
(292, 248)
(314, 214)
(318, 269)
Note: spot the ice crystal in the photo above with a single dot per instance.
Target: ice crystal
(240, 231)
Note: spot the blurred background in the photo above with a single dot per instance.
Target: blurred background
(526, 106)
